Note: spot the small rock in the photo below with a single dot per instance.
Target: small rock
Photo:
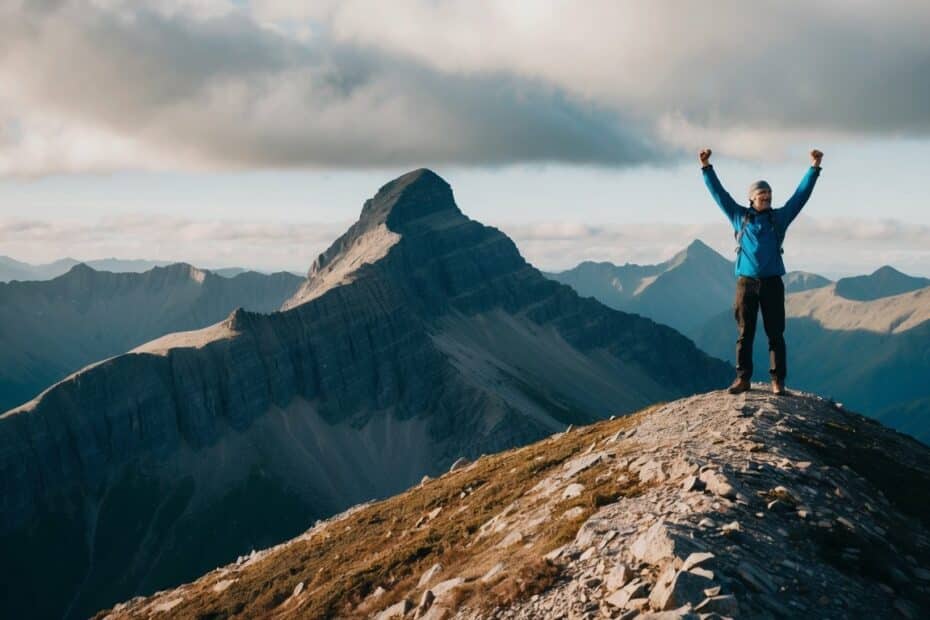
(493, 572)
(623, 597)
(618, 577)
(696, 559)
(426, 602)
(652, 471)
(429, 575)
(731, 528)
(676, 588)
(654, 544)
(397, 610)
(424, 480)
(573, 490)
(588, 554)
(692, 483)
(725, 605)
(298, 589)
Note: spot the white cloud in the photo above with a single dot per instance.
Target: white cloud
(109, 84)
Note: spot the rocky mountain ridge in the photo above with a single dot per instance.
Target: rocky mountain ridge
(711, 506)
(419, 336)
(52, 328)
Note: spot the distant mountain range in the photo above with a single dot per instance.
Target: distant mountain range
(12, 269)
(683, 292)
(418, 337)
(51, 328)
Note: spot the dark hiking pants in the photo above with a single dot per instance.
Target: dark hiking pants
(767, 294)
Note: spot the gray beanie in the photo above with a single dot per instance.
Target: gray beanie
(758, 185)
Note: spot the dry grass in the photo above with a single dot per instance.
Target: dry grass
(380, 544)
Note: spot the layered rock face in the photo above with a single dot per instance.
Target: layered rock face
(53, 328)
(711, 506)
(420, 336)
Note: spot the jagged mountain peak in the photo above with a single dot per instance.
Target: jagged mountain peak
(411, 196)
(416, 201)
(754, 506)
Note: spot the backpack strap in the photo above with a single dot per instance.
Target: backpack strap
(739, 235)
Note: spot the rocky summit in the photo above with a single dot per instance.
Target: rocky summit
(711, 506)
(419, 337)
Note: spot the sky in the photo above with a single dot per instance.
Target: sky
(250, 133)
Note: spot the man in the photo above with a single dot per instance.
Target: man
(759, 232)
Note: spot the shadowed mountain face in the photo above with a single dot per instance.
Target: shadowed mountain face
(420, 336)
(52, 328)
(871, 355)
(683, 292)
(884, 282)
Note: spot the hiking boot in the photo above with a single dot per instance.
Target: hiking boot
(739, 386)
(778, 386)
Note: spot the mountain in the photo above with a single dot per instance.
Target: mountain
(797, 281)
(871, 355)
(12, 269)
(49, 329)
(683, 292)
(712, 506)
(884, 282)
(420, 336)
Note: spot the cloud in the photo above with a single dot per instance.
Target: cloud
(132, 84)
(188, 84)
(206, 243)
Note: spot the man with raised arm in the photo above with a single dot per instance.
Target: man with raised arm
(760, 231)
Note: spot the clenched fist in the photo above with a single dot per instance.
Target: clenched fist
(816, 156)
(704, 156)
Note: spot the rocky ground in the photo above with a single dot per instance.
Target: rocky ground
(712, 506)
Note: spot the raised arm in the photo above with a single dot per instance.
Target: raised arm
(803, 193)
(729, 206)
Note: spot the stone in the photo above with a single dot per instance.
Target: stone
(589, 553)
(622, 597)
(429, 575)
(573, 490)
(725, 605)
(397, 610)
(579, 464)
(426, 602)
(731, 529)
(718, 484)
(493, 572)
(511, 539)
(652, 471)
(654, 544)
(696, 559)
(298, 589)
(692, 483)
(444, 587)
(674, 589)
(618, 577)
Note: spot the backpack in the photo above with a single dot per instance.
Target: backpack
(739, 235)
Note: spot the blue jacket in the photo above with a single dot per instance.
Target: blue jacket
(760, 255)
